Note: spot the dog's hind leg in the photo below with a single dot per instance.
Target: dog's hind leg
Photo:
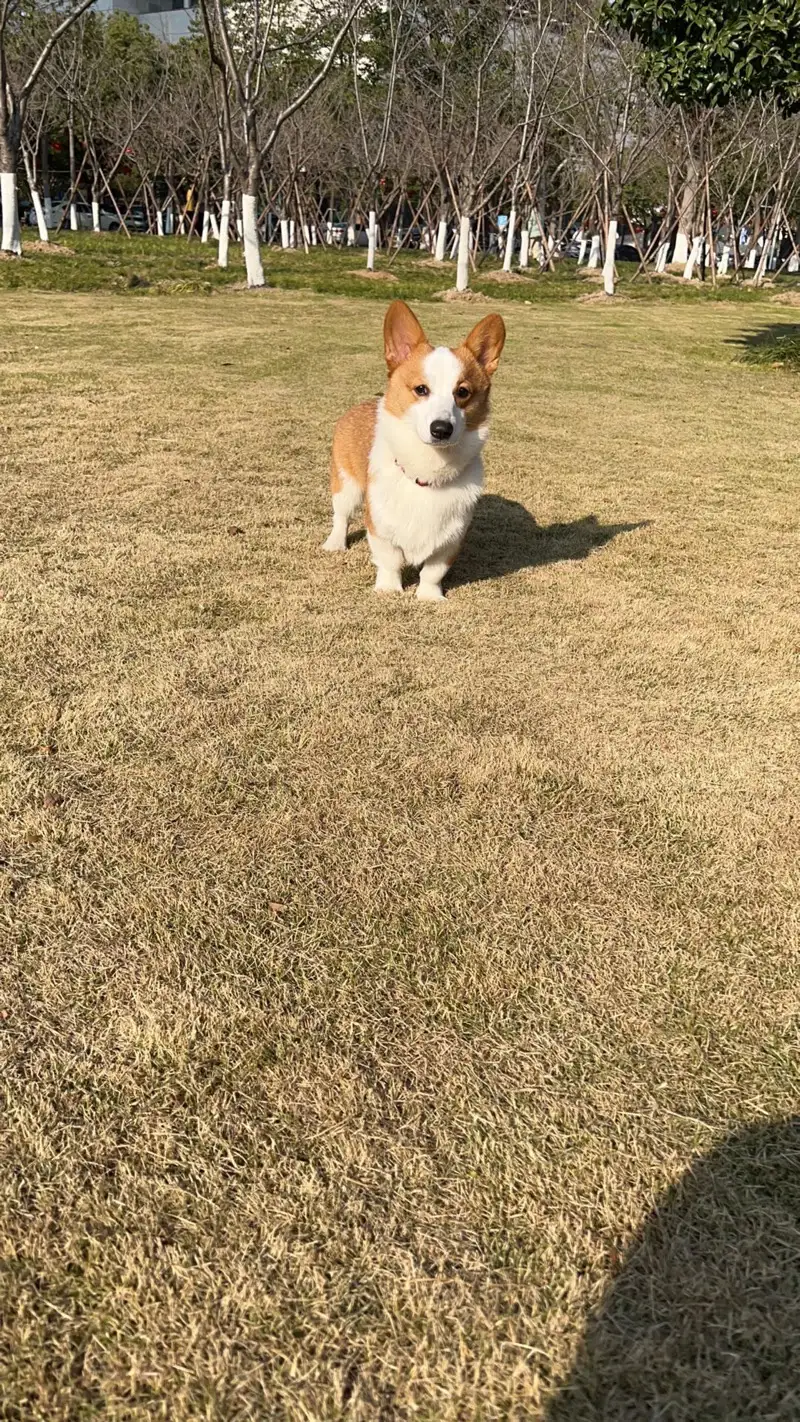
(346, 497)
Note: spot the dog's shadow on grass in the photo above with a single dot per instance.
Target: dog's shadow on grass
(505, 538)
(703, 1317)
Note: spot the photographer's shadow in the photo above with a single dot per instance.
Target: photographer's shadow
(702, 1323)
(504, 538)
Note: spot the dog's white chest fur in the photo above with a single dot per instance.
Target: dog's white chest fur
(421, 518)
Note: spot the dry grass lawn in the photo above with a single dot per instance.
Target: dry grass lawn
(372, 973)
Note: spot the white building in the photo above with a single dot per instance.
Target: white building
(169, 19)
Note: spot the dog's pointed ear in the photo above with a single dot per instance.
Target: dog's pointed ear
(486, 340)
(401, 333)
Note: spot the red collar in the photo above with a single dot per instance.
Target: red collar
(422, 483)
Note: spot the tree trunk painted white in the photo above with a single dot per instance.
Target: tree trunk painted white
(538, 251)
(214, 226)
(681, 252)
(752, 258)
(159, 222)
(611, 252)
(48, 211)
(687, 210)
(292, 233)
(371, 241)
(8, 199)
(239, 227)
(524, 245)
(252, 254)
(73, 217)
(95, 215)
(583, 244)
(169, 220)
(441, 240)
(724, 261)
(41, 221)
(204, 235)
(510, 233)
(284, 233)
(306, 235)
(594, 252)
(314, 235)
(661, 257)
(351, 235)
(763, 262)
(454, 245)
(693, 259)
(224, 232)
(462, 270)
(794, 263)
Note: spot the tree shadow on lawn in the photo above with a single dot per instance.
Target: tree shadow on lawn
(702, 1323)
(504, 538)
(776, 344)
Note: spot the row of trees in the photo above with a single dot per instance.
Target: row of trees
(276, 120)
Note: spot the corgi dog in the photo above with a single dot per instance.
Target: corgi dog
(413, 458)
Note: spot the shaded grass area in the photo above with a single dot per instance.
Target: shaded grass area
(775, 345)
(398, 1005)
(707, 1303)
(174, 266)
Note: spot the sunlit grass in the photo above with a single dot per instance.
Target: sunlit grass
(370, 969)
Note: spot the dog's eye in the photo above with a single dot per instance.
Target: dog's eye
(463, 392)
(421, 390)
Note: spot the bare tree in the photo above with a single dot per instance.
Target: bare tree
(251, 39)
(616, 123)
(375, 143)
(32, 141)
(27, 40)
(538, 52)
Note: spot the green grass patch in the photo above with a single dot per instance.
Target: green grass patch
(83, 261)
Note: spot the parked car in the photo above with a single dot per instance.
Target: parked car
(626, 248)
(135, 221)
(409, 237)
(59, 210)
(335, 229)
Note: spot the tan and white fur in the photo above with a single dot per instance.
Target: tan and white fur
(413, 459)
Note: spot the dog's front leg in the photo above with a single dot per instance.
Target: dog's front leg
(389, 562)
(432, 572)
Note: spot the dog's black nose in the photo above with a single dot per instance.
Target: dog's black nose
(441, 429)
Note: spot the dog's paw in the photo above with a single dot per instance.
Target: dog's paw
(388, 583)
(334, 545)
(430, 592)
